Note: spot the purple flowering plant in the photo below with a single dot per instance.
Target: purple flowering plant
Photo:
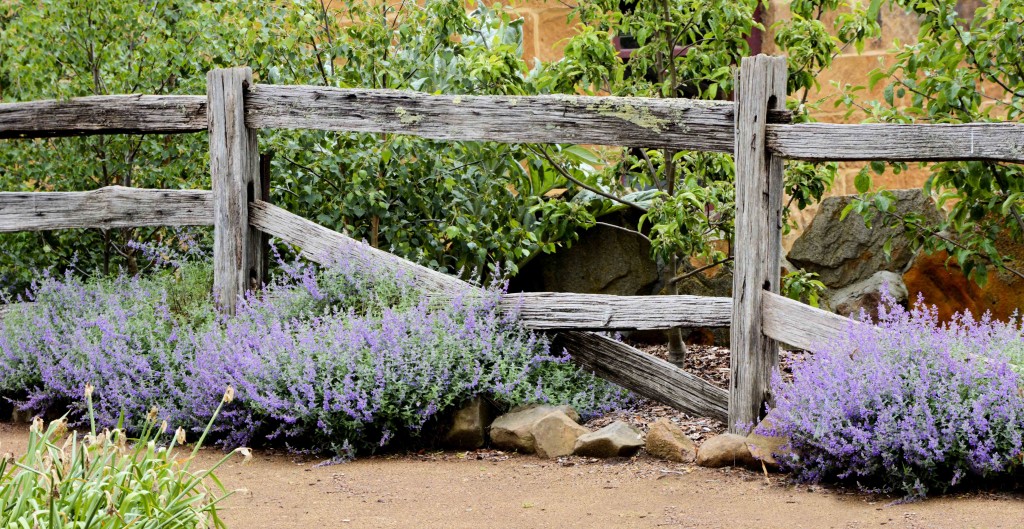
(908, 405)
(321, 359)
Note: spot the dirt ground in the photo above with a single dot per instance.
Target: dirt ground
(497, 490)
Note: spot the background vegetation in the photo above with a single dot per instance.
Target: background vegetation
(468, 208)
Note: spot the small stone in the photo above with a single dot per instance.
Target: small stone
(543, 408)
(666, 441)
(512, 431)
(618, 439)
(725, 450)
(766, 448)
(468, 429)
(555, 435)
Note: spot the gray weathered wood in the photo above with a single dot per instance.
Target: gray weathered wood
(801, 326)
(644, 374)
(898, 142)
(234, 172)
(108, 207)
(557, 310)
(760, 85)
(608, 358)
(325, 246)
(119, 114)
(632, 122)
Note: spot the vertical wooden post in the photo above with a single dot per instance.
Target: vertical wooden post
(760, 86)
(234, 170)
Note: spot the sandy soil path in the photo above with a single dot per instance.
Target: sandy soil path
(495, 490)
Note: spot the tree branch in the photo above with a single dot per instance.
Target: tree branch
(622, 228)
(692, 273)
(543, 152)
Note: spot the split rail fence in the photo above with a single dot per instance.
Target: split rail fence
(755, 128)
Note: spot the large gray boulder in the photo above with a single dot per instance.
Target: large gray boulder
(604, 260)
(844, 252)
(866, 295)
(618, 439)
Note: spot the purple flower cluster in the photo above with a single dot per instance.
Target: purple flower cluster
(909, 405)
(320, 359)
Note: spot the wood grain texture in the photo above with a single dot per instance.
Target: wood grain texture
(898, 142)
(644, 374)
(760, 85)
(632, 122)
(325, 246)
(801, 326)
(118, 114)
(108, 207)
(557, 310)
(609, 359)
(234, 173)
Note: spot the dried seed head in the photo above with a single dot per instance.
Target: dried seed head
(179, 436)
(59, 427)
(151, 416)
(229, 394)
(163, 426)
(37, 425)
(88, 390)
(246, 455)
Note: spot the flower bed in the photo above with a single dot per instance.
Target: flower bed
(910, 406)
(328, 360)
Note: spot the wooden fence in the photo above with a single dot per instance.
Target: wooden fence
(755, 128)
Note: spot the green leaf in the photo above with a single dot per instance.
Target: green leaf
(862, 182)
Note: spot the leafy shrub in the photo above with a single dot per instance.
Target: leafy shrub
(910, 406)
(322, 358)
(102, 481)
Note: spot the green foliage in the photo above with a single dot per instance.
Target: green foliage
(62, 49)
(104, 480)
(689, 49)
(477, 209)
(802, 286)
(962, 69)
(462, 207)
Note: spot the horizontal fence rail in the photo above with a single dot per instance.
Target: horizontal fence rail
(999, 142)
(801, 326)
(627, 121)
(108, 207)
(117, 114)
(559, 311)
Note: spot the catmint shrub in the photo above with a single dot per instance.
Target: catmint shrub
(324, 359)
(908, 406)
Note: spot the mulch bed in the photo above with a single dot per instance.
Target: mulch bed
(706, 361)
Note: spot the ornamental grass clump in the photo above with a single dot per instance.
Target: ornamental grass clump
(321, 359)
(105, 480)
(909, 406)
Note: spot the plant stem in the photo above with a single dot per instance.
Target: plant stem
(692, 273)
(543, 152)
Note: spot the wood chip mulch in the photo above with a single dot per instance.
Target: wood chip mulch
(706, 361)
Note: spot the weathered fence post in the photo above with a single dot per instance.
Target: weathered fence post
(760, 86)
(234, 171)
